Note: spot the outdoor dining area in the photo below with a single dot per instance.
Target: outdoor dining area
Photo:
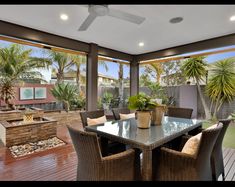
(152, 101)
(176, 149)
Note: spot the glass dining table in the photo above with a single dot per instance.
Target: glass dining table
(127, 132)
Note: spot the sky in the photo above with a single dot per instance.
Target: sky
(114, 67)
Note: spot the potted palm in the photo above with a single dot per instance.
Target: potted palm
(143, 105)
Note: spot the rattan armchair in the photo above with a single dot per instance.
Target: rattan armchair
(217, 163)
(107, 147)
(92, 166)
(117, 111)
(172, 165)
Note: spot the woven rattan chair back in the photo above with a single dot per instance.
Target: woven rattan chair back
(90, 114)
(117, 111)
(180, 112)
(217, 163)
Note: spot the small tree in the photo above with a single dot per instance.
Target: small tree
(17, 64)
(221, 83)
(65, 93)
(196, 68)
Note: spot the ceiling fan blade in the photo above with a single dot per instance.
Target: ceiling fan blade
(125, 16)
(87, 22)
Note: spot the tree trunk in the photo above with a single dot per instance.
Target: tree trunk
(78, 78)
(60, 76)
(121, 88)
(66, 106)
(205, 107)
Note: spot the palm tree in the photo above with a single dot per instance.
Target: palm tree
(66, 93)
(158, 69)
(221, 83)
(196, 68)
(62, 62)
(16, 64)
(78, 60)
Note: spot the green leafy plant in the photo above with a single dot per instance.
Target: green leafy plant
(79, 101)
(141, 102)
(221, 83)
(107, 97)
(65, 93)
(157, 92)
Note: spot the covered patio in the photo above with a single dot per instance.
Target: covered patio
(60, 163)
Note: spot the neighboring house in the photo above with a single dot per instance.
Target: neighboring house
(70, 77)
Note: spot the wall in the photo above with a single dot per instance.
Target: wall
(188, 98)
(17, 101)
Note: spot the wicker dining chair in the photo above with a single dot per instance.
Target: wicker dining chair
(117, 111)
(172, 165)
(180, 112)
(90, 114)
(92, 166)
(217, 161)
(107, 148)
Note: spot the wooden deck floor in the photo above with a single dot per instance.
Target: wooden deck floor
(59, 164)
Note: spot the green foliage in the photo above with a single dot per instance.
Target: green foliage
(141, 102)
(221, 83)
(99, 103)
(79, 101)
(233, 115)
(66, 93)
(107, 97)
(173, 73)
(16, 63)
(195, 68)
(157, 91)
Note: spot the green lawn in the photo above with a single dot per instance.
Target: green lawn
(229, 138)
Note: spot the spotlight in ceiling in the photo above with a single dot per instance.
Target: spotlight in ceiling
(176, 20)
(64, 17)
(141, 44)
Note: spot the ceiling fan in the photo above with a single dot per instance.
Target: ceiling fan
(104, 10)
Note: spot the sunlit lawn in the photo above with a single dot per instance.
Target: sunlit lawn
(229, 138)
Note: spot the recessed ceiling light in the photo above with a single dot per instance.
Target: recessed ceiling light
(64, 17)
(232, 18)
(141, 44)
(176, 20)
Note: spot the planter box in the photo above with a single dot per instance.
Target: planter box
(15, 132)
(18, 114)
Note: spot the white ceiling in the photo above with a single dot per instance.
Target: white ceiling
(200, 22)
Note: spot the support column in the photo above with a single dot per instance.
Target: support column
(91, 78)
(134, 77)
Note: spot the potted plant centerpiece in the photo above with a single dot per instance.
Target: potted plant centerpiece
(158, 113)
(158, 96)
(143, 105)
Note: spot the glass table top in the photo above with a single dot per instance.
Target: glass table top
(127, 129)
